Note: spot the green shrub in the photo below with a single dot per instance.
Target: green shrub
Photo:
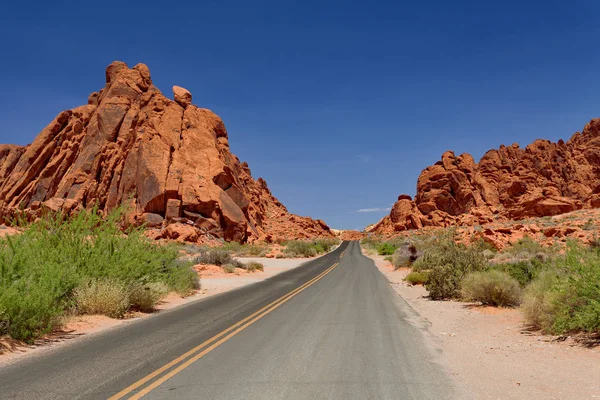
(217, 256)
(295, 248)
(102, 296)
(385, 249)
(254, 266)
(494, 288)
(523, 271)
(540, 301)
(228, 268)
(144, 298)
(448, 263)
(233, 247)
(3, 322)
(417, 278)
(567, 298)
(182, 278)
(243, 250)
(579, 305)
(194, 249)
(526, 246)
(41, 267)
(325, 245)
(29, 309)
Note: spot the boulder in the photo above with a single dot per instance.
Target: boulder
(182, 96)
(152, 220)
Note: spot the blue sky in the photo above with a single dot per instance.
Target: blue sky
(338, 104)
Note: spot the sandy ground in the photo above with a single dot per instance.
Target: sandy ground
(213, 281)
(490, 355)
(6, 230)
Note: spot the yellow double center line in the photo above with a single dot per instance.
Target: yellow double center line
(220, 338)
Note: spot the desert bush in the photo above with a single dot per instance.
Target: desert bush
(527, 245)
(488, 254)
(448, 263)
(540, 301)
(228, 268)
(254, 266)
(566, 298)
(145, 297)
(29, 309)
(386, 249)
(242, 250)
(194, 249)
(3, 322)
(370, 241)
(324, 245)
(233, 247)
(417, 277)
(102, 296)
(41, 267)
(492, 287)
(579, 305)
(182, 278)
(300, 248)
(523, 271)
(218, 256)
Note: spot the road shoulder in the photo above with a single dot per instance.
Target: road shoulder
(490, 355)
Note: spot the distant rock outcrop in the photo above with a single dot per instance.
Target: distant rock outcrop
(509, 183)
(168, 161)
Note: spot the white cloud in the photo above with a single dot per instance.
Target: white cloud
(366, 210)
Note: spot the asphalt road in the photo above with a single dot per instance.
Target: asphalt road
(330, 329)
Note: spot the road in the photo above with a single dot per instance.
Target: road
(330, 329)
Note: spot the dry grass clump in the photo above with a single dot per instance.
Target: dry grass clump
(144, 298)
(540, 301)
(254, 266)
(229, 268)
(218, 257)
(492, 287)
(103, 296)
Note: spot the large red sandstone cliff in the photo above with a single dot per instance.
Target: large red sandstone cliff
(509, 183)
(168, 161)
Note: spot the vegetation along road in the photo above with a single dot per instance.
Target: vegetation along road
(330, 329)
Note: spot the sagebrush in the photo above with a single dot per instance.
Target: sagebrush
(41, 267)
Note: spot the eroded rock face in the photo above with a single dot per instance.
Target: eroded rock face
(168, 161)
(509, 183)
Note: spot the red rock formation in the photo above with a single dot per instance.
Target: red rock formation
(509, 183)
(348, 234)
(168, 161)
